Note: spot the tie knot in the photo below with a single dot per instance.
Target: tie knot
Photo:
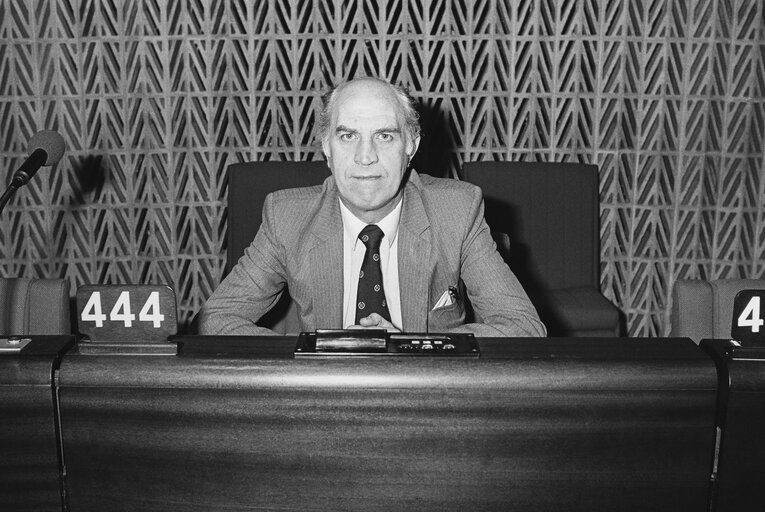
(371, 235)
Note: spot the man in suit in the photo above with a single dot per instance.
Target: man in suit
(435, 249)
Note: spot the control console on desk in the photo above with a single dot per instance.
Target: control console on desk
(331, 342)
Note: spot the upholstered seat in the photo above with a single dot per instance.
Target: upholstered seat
(34, 306)
(704, 309)
(550, 212)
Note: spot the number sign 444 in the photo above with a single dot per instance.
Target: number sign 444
(121, 311)
(155, 306)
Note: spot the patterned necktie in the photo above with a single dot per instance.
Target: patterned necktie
(370, 297)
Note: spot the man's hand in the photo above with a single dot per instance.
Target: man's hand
(374, 321)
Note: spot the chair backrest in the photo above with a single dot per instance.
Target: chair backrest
(34, 306)
(248, 185)
(550, 210)
(704, 309)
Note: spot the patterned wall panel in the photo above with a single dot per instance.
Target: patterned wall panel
(155, 99)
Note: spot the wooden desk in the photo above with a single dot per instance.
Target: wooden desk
(741, 420)
(553, 424)
(30, 469)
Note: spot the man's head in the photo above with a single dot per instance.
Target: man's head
(369, 133)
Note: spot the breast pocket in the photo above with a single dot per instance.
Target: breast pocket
(447, 317)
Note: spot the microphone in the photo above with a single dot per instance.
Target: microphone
(46, 148)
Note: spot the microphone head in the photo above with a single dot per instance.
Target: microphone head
(49, 141)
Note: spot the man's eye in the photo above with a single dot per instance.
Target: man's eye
(346, 136)
(385, 137)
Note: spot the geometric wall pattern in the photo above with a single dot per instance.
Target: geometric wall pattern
(155, 99)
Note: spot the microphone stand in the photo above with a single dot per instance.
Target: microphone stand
(7, 196)
(21, 177)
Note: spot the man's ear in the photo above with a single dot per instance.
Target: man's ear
(325, 150)
(415, 143)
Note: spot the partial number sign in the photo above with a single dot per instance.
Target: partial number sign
(131, 313)
(748, 326)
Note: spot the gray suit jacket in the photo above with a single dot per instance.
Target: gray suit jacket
(443, 241)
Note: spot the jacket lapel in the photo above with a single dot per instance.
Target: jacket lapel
(325, 253)
(414, 259)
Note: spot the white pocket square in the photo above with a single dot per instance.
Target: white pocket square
(446, 299)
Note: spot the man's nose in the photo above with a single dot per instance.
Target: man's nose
(366, 152)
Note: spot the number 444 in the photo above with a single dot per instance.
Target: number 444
(121, 311)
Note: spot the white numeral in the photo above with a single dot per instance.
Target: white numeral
(122, 312)
(750, 316)
(92, 310)
(150, 311)
(123, 305)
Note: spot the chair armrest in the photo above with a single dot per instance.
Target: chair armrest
(580, 311)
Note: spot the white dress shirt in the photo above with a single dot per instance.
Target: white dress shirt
(353, 256)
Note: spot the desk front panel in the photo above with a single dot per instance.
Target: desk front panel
(540, 425)
(30, 469)
(741, 418)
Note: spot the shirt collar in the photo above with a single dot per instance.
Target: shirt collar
(352, 225)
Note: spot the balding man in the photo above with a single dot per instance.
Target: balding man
(377, 245)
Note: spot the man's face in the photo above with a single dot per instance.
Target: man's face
(368, 149)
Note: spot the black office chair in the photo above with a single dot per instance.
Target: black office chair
(550, 212)
(248, 185)
(34, 306)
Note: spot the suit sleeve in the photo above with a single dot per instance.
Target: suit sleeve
(252, 288)
(501, 306)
